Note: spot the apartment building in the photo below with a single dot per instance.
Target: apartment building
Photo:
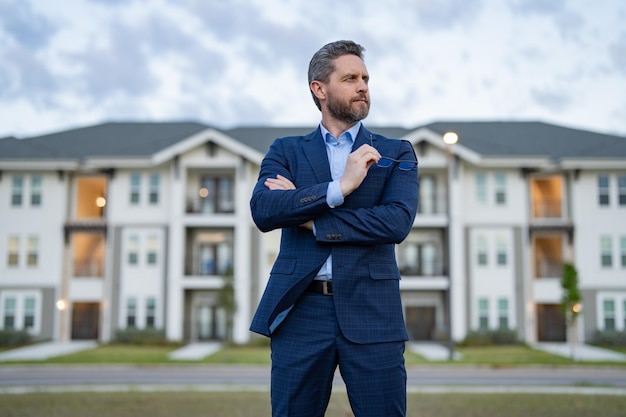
(142, 225)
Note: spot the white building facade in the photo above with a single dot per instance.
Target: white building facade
(143, 225)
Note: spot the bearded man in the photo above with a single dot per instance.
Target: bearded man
(343, 197)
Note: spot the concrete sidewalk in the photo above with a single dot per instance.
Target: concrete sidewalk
(195, 351)
(432, 351)
(46, 350)
(43, 351)
(580, 352)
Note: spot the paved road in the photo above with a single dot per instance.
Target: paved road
(25, 376)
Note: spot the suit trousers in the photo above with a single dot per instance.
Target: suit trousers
(306, 350)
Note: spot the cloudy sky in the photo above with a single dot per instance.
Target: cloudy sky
(69, 63)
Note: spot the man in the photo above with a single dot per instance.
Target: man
(333, 296)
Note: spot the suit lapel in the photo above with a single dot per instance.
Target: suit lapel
(315, 152)
(363, 137)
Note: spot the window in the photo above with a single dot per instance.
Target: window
(20, 311)
(135, 188)
(8, 312)
(608, 308)
(35, 190)
(133, 250)
(409, 258)
(418, 258)
(483, 314)
(623, 251)
(500, 184)
(428, 258)
(17, 191)
(211, 252)
(482, 250)
(153, 243)
(606, 252)
(217, 195)
(621, 190)
(131, 312)
(13, 251)
(226, 195)
(603, 190)
(150, 312)
(153, 193)
(503, 313)
(428, 195)
(32, 254)
(29, 313)
(481, 188)
(501, 257)
(215, 258)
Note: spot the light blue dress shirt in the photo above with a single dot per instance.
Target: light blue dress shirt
(338, 150)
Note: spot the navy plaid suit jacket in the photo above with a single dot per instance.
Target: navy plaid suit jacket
(361, 235)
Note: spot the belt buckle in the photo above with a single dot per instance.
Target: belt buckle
(326, 289)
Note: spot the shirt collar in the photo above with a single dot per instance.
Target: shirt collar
(350, 133)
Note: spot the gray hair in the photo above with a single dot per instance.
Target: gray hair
(322, 64)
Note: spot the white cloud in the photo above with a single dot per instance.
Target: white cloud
(75, 62)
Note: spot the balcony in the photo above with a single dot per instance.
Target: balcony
(90, 201)
(548, 210)
(88, 269)
(210, 193)
(421, 254)
(88, 250)
(548, 255)
(209, 252)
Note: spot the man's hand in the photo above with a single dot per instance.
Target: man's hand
(282, 183)
(357, 165)
(279, 183)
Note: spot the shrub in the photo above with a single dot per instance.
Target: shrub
(10, 337)
(133, 336)
(610, 338)
(490, 337)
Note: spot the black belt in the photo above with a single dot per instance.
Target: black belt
(321, 287)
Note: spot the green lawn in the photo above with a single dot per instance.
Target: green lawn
(509, 355)
(256, 404)
(517, 355)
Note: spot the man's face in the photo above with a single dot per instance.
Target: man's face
(347, 93)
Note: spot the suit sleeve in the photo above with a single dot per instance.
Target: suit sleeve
(388, 221)
(274, 209)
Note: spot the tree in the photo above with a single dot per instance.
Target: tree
(571, 300)
(226, 301)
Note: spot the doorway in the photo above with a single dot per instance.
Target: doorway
(85, 321)
(420, 322)
(210, 323)
(550, 323)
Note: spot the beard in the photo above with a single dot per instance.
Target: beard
(345, 111)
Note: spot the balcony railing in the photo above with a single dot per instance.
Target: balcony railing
(548, 209)
(88, 269)
(549, 269)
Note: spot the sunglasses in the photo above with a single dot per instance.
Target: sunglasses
(386, 162)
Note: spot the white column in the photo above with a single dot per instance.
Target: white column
(243, 255)
(176, 254)
(457, 262)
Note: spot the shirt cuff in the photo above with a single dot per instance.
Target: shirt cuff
(334, 197)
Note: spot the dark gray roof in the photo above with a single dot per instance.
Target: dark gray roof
(261, 137)
(139, 139)
(12, 148)
(519, 139)
(104, 140)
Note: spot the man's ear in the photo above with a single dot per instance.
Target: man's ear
(318, 90)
